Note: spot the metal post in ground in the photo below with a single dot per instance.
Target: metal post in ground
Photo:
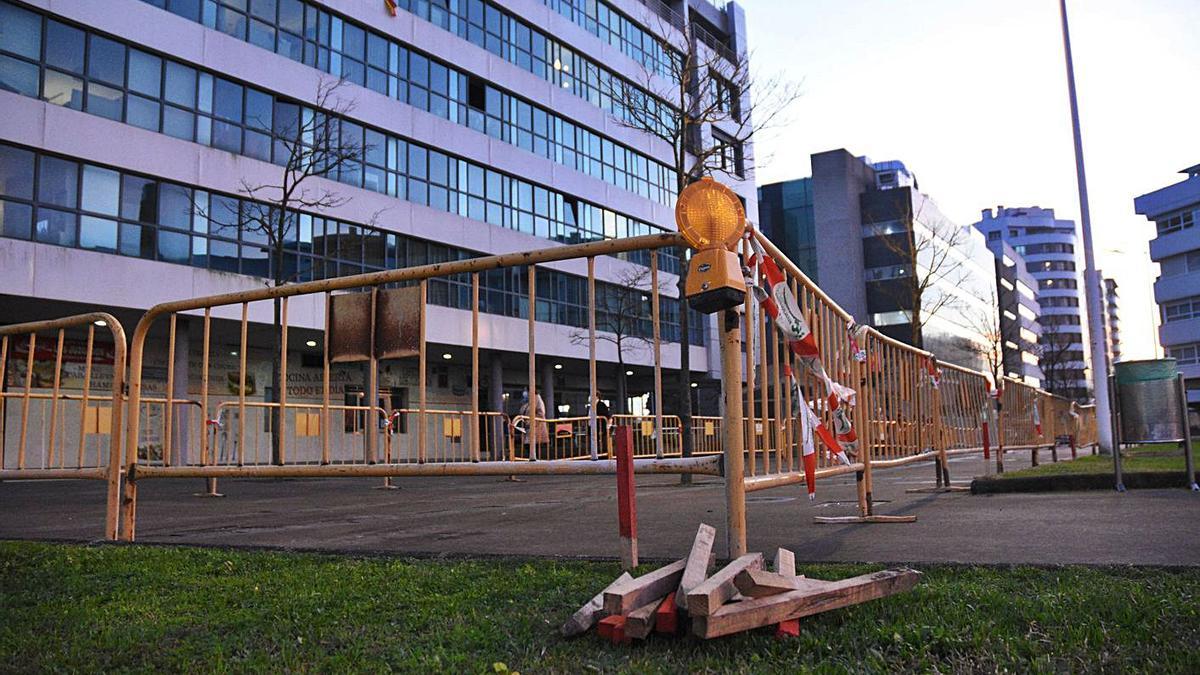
(1189, 467)
(1115, 430)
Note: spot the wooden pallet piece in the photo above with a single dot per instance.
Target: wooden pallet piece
(639, 591)
(718, 589)
(699, 563)
(587, 616)
(755, 612)
(787, 629)
(667, 619)
(785, 562)
(843, 520)
(761, 583)
(641, 621)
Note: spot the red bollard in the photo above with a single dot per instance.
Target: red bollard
(987, 443)
(626, 498)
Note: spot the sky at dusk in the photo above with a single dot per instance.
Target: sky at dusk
(971, 95)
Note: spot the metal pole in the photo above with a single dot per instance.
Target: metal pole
(1115, 430)
(1187, 435)
(1096, 324)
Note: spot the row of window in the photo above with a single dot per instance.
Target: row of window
(1057, 283)
(1058, 301)
(1060, 320)
(107, 78)
(600, 19)
(1184, 263)
(1034, 249)
(486, 25)
(1185, 355)
(1181, 310)
(1180, 221)
(55, 200)
(1052, 266)
(91, 72)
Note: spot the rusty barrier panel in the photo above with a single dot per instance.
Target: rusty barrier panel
(61, 402)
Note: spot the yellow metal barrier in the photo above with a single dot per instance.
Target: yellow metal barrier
(646, 438)
(94, 451)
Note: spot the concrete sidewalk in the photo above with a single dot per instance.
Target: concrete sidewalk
(576, 517)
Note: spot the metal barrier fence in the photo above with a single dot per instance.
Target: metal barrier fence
(445, 443)
(906, 406)
(94, 451)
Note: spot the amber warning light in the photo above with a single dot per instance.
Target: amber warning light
(711, 218)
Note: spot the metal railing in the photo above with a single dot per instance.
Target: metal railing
(95, 450)
(445, 443)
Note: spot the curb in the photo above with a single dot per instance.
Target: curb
(1142, 480)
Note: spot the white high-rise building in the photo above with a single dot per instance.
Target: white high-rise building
(1053, 257)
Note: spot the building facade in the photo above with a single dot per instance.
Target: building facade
(132, 130)
(1052, 256)
(880, 248)
(1175, 212)
(1018, 327)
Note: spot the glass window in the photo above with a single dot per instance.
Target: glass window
(176, 122)
(258, 109)
(224, 216)
(105, 101)
(101, 190)
(15, 219)
(139, 198)
(16, 172)
(106, 60)
(64, 47)
(227, 100)
(174, 206)
(55, 227)
(145, 73)
(291, 16)
(173, 246)
(98, 234)
(20, 31)
(142, 112)
(18, 76)
(137, 241)
(58, 182)
(62, 89)
(222, 255)
(181, 85)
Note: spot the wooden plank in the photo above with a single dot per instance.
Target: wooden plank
(785, 562)
(717, 589)
(640, 621)
(585, 617)
(698, 563)
(796, 604)
(667, 619)
(843, 520)
(761, 583)
(612, 628)
(639, 591)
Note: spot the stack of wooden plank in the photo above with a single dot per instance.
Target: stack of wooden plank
(741, 596)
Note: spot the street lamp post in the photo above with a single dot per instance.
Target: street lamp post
(1091, 277)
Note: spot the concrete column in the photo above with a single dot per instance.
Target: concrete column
(546, 389)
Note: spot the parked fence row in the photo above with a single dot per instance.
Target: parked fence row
(907, 407)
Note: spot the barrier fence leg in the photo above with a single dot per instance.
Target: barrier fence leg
(1073, 448)
(1115, 423)
(626, 498)
(1033, 456)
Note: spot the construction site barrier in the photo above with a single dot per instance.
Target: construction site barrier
(908, 406)
(51, 442)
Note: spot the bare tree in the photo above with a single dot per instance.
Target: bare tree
(308, 144)
(623, 319)
(702, 87)
(997, 338)
(928, 265)
(1059, 353)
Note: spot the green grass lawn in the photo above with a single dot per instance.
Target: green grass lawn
(1157, 457)
(68, 607)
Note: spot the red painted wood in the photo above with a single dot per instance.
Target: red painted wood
(666, 619)
(987, 442)
(626, 499)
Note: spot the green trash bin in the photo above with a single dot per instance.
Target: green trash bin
(1149, 398)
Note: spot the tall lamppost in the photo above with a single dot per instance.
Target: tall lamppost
(1091, 277)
